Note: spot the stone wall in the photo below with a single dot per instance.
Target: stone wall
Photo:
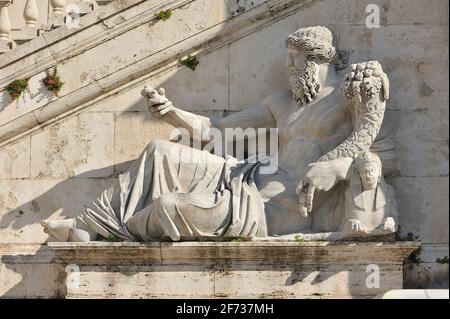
(56, 170)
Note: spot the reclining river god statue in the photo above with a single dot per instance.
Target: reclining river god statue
(331, 161)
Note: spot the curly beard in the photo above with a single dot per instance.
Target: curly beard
(304, 83)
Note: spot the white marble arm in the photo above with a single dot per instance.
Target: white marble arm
(160, 106)
(367, 88)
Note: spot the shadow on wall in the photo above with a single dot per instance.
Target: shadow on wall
(68, 198)
(32, 275)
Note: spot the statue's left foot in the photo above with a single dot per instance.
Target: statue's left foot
(59, 229)
(389, 225)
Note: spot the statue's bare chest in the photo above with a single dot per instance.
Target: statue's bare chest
(315, 121)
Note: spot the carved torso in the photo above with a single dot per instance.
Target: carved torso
(305, 134)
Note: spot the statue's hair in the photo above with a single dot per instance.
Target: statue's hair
(317, 42)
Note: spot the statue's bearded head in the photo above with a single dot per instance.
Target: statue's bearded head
(307, 47)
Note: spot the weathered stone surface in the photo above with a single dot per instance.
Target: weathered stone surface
(426, 275)
(415, 77)
(230, 270)
(400, 12)
(202, 89)
(28, 271)
(143, 282)
(25, 202)
(423, 210)
(421, 138)
(35, 96)
(15, 160)
(237, 7)
(252, 79)
(146, 39)
(429, 269)
(83, 144)
(300, 280)
(134, 130)
(29, 281)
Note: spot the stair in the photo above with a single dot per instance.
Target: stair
(121, 45)
(24, 20)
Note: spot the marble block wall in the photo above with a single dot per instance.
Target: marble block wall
(55, 171)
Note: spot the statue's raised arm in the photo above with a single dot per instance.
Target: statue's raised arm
(367, 89)
(161, 107)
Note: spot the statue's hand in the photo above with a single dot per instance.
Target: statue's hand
(320, 176)
(158, 104)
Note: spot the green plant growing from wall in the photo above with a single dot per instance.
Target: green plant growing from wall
(299, 239)
(53, 82)
(164, 15)
(16, 88)
(443, 260)
(407, 237)
(414, 257)
(113, 239)
(190, 61)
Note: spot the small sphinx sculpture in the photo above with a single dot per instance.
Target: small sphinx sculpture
(332, 158)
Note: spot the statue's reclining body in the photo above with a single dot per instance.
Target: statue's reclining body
(331, 160)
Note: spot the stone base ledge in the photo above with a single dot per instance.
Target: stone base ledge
(218, 252)
(246, 269)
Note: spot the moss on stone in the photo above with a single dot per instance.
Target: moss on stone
(113, 239)
(164, 15)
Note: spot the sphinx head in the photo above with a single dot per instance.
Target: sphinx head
(310, 52)
(369, 169)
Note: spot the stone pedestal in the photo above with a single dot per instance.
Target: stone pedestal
(231, 269)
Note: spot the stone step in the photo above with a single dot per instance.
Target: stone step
(416, 294)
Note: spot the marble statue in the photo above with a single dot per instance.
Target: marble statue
(332, 158)
(370, 206)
